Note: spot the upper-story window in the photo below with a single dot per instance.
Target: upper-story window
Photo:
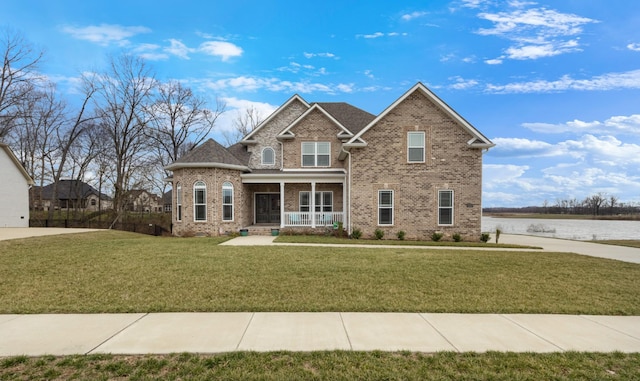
(415, 147)
(316, 154)
(268, 156)
(200, 201)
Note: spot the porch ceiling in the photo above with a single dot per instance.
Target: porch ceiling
(304, 176)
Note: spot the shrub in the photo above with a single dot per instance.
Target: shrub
(339, 232)
(457, 237)
(401, 235)
(436, 236)
(498, 231)
(356, 234)
(484, 237)
(378, 234)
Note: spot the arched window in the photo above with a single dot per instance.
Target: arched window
(178, 202)
(268, 156)
(227, 201)
(200, 201)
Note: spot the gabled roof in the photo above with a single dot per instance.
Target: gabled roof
(478, 140)
(209, 154)
(295, 97)
(287, 134)
(351, 117)
(15, 160)
(72, 190)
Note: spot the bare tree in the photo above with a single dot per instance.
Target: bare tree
(180, 121)
(17, 76)
(613, 200)
(69, 133)
(595, 202)
(123, 96)
(243, 124)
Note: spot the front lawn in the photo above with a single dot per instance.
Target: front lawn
(116, 271)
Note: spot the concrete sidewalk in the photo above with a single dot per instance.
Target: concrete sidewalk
(36, 335)
(620, 253)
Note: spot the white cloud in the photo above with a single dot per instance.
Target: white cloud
(610, 81)
(380, 34)
(235, 107)
(462, 84)
(323, 55)
(105, 34)
(178, 49)
(244, 83)
(413, 15)
(534, 32)
(495, 61)
(616, 124)
(532, 52)
(222, 49)
(495, 174)
(635, 47)
(472, 3)
(524, 148)
(374, 35)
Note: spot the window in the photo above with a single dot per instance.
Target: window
(227, 201)
(385, 207)
(268, 156)
(316, 154)
(324, 201)
(445, 207)
(179, 202)
(415, 147)
(200, 201)
(93, 202)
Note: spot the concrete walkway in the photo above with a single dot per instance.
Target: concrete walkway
(36, 335)
(620, 253)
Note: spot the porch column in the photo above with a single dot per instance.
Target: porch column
(344, 204)
(282, 204)
(312, 208)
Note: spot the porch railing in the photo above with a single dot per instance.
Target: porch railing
(304, 218)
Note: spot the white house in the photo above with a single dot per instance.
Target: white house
(14, 190)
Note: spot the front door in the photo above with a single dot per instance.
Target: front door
(268, 208)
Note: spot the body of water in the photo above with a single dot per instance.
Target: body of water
(584, 230)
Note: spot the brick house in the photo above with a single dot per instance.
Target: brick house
(416, 167)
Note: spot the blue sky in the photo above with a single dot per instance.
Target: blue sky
(555, 84)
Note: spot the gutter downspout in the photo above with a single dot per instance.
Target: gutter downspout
(348, 192)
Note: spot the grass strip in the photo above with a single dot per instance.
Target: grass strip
(621, 242)
(329, 366)
(391, 242)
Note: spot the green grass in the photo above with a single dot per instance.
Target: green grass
(621, 242)
(328, 366)
(390, 242)
(115, 271)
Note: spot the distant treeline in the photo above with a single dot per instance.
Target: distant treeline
(599, 204)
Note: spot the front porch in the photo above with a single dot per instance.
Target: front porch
(297, 200)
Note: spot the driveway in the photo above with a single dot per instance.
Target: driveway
(15, 233)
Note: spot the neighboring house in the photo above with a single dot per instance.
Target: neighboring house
(416, 167)
(14, 190)
(72, 194)
(139, 200)
(167, 197)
